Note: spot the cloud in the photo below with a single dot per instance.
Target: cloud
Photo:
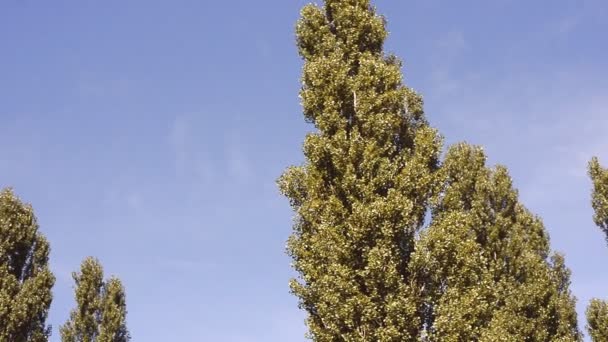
(237, 160)
(580, 13)
(263, 48)
(568, 23)
(564, 145)
(116, 197)
(447, 50)
(452, 42)
(134, 201)
(179, 136)
(238, 164)
(183, 265)
(191, 155)
(92, 85)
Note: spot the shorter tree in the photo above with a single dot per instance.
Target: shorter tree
(25, 278)
(597, 312)
(599, 196)
(597, 320)
(484, 263)
(101, 310)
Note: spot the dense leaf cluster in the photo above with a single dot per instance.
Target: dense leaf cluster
(25, 278)
(100, 313)
(597, 311)
(363, 192)
(484, 262)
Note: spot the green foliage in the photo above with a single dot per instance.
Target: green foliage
(599, 197)
(25, 277)
(482, 271)
(483, 262)
(597, 320)
(100, 314)
(597, 311)
(362, 193)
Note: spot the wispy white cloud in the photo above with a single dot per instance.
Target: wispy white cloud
(94, 85)
(116, 197)
(134, 201)
(191, 153)
(447, 49)
(568, 23)
(451, 42)
(237, 160)
(179, 136)
(263, 48)
(184, 265)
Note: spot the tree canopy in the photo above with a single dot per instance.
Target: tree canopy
(362, 193)
(25, 278)
(100, 313)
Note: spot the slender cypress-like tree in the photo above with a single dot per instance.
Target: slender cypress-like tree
(100, 313)
(25, 278)
(597, 320)
(484, 262)
(362, 193)
(599, 195)
(597, 311)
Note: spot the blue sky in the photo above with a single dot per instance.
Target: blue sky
(149, 134)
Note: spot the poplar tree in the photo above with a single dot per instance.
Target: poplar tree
(100, 313)
(597, 320)
(599, 195)
(362, 192)
(25, 278)
(485, 264)
(597, 311)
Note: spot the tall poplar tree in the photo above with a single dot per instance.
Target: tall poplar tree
(25, 278)
(362, 192)
(597, 311)
(484, 262)
(100, 313)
